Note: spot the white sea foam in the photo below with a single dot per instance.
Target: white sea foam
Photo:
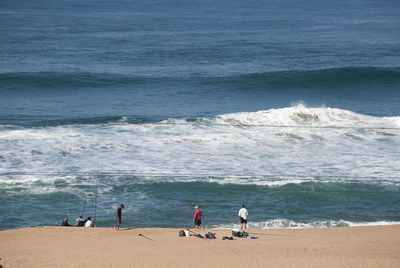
(273, 147)
(47, 184)
(289, 224)
(300, 115)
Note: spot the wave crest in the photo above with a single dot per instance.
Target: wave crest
(327, 78)
(301, 115)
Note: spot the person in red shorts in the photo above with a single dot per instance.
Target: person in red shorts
(197, 217)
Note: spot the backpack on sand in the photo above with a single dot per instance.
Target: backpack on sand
(181, 233)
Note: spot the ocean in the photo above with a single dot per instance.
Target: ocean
(289, 107)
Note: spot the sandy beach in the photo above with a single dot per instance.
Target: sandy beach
(377, 246)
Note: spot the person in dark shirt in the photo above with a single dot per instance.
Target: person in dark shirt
(65, 222)
(79, 222)
(119, 214)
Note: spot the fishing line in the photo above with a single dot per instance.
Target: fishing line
(84, 205)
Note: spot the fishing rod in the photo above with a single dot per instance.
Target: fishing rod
(146, 237)
(95, 201)
(84, 205)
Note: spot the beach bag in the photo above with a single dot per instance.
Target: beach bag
(245, 234)
(210, 235)
(181, 233)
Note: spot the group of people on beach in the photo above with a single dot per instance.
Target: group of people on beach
(79, 222)
(242, 216)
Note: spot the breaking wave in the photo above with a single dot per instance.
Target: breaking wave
(297, 141)
(289, 224)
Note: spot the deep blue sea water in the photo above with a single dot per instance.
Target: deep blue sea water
(290, 107)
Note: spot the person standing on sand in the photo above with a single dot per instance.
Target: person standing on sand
(197, 217)
(119, 214)
(242, 215)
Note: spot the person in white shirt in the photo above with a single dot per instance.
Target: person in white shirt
(243, 217)
(89, 222)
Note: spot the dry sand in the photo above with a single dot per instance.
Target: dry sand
(377, 246)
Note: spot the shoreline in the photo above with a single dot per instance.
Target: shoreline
(372, 224)
(54, 246)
